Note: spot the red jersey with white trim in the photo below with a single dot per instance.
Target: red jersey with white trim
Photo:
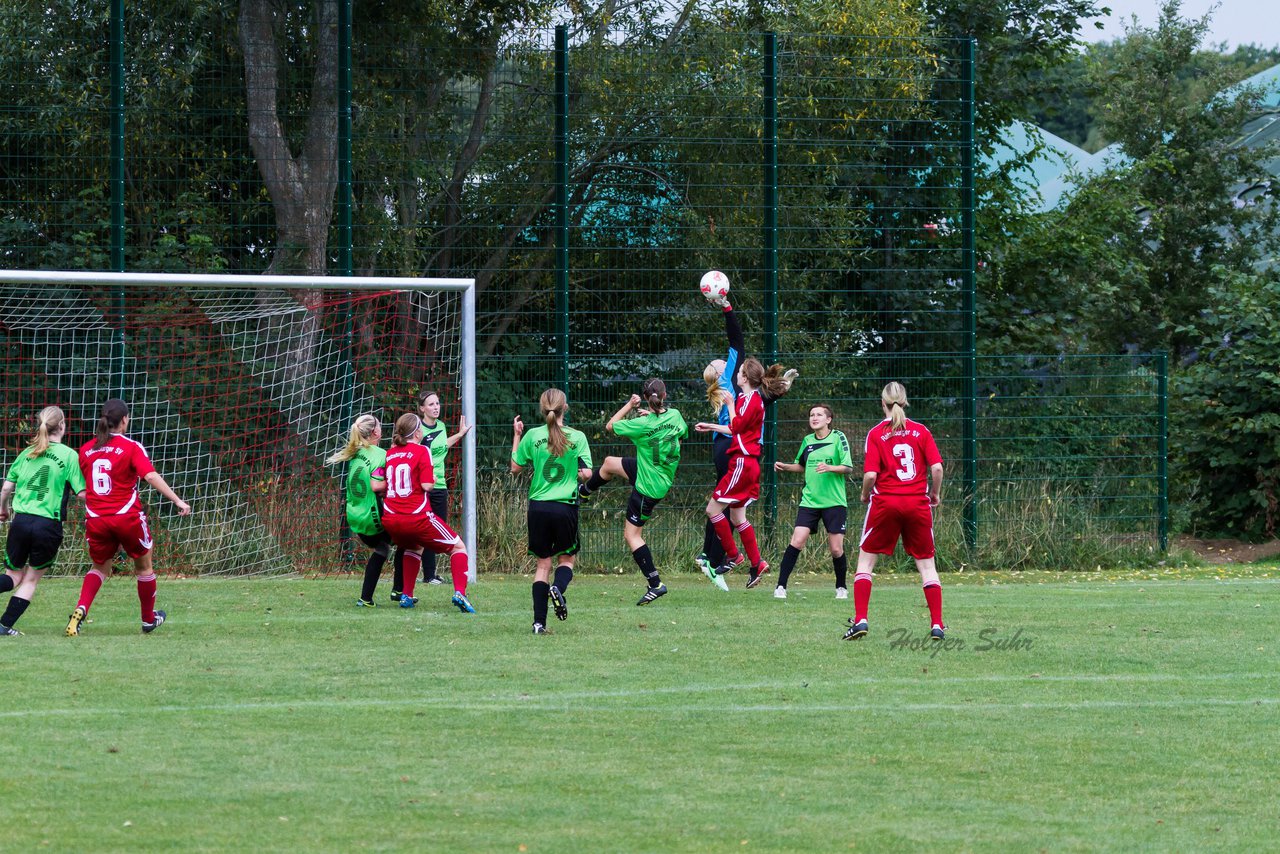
(747, 425)
(111, 474)
(407, 468)
(900, 458)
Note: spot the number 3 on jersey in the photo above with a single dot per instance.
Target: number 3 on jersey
(907, 460)
(400, 481)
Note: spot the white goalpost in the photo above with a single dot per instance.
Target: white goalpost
(240, 386)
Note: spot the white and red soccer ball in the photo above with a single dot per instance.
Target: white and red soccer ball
(714, 284)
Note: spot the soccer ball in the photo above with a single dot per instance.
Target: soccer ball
(714, 284)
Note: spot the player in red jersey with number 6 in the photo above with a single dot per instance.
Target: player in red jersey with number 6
(407, 516)
(112, 464)
(901, 486)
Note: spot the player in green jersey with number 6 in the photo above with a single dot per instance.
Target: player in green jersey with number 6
(366, 480)
(825, 459)
(560, 458)
(656, 432)
(34, 496)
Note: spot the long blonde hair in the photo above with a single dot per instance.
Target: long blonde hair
(717, 396)
(51, 420)
(361, 437)
(553, 404)
(894, 396)
(406, 426)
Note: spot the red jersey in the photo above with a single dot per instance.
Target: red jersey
(747, 425)
(111, 473)
(901, 459)
(408, 467)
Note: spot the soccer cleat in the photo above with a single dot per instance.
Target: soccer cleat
(757, 573)
(148, 628)
(653, 593)
(435, 579)
(584, 494)
(6, 632)
(539, 629)
(710, 572)
(407, 601)
(857, 630)
(395, 596)
(360, 603)
(730, 564)
(842, 593)
(779, 592)
(463, 604)
(557, 602)
(937, 633)
(73, 624)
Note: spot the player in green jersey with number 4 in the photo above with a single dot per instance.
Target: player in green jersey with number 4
(560, 458)
(825, 459)
(34, 496)
(656, 433)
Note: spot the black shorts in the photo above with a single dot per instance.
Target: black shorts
(33, 541)
(639, 506)
(833, 518)
(439, 499)
(380, 542)
(553, 528)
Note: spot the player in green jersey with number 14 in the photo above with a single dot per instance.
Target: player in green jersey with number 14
(560, 458)
(656, 433)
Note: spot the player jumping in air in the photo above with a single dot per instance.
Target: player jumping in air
(656, 433)
(740, 486)
(407, 516)
(112, 464)
(560, 458)
(34, 496)
(901, 486)
(825, 460)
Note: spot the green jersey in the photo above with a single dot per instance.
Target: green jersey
(363, 513)
(42, 481)
(554, 478)
(657, 440)
(437, 441)
(824, 489)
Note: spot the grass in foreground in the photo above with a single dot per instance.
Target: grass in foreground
(1119, 712)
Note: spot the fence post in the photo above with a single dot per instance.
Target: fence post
(770, 260)
(562, 201)
(1162, 463)
(117, 239)
(969, 267)
(345, 260)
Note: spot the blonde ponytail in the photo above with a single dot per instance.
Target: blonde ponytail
(717, 396)
(50, 421)
(361, 437)
(553, 404)
(894, 397)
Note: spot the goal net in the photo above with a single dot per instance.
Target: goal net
(239, 387)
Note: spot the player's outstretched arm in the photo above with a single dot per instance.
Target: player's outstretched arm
(517, 430)
(791, 467)
(158, 484)
(463, 427)
(622, 412)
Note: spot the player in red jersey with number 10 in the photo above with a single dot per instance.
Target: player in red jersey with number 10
(112, 464)
(407, 516)
(901, 486)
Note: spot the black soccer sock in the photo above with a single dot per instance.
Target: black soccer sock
(541, 593)
(372, 572)
(564, 574)
(789, 558)
(17, 605)
(428, 565)
(595, 481)
(397, 572)
(711, 546)
(6, 583)
(841, 565)
(644, 559)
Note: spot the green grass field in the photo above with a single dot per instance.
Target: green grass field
(1135, 711)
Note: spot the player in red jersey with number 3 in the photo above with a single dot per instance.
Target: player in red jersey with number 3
(407, 516)
(112, 464)
(901, 484)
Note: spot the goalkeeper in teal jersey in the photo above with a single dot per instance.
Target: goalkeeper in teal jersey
(34, 496)
(656, 432)
(826, 461)
(560, 458)
(365, 482)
